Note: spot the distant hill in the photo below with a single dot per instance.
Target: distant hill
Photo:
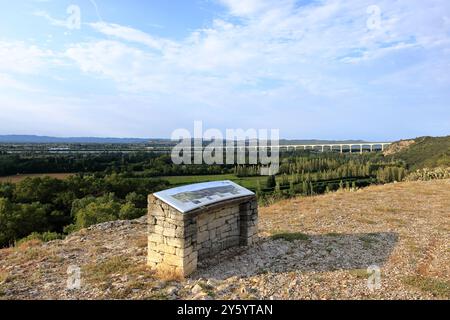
(423, 152)
(46, 139)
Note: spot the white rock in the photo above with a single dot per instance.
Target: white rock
(197, 289)
(172, 291)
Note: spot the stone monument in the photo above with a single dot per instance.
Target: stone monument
(189, 223)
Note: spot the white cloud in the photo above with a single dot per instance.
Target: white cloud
(50, 19)
(107, 58)
(131, 35)
(19, 57)
(249, 8)
(278, 55)
(278, 42)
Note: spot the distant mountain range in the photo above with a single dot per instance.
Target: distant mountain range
(47, 139)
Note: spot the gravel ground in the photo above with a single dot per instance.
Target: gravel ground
(309, 248)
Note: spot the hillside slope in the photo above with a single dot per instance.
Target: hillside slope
(424, 152)
(325, 244)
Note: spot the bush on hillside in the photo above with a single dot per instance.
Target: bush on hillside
(429, 174)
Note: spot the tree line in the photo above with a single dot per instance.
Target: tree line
(62, 206)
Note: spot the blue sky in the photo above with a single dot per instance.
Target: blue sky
(329, 69)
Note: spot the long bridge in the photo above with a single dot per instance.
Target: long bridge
(328, 147)
(341, 147)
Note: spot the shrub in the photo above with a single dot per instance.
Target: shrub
(129, 211)
(44, 237)
(271, 182)
(429, 174)
(89, 211)
(19, 220)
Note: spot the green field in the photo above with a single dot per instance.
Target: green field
(251, 182)
(247, 182)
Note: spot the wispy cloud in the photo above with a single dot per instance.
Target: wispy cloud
(300, 45)
(131, 35)
(50, 19)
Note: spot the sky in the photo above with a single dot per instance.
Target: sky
(329, 69)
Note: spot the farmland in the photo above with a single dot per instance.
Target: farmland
(20, 177)
(246, 182)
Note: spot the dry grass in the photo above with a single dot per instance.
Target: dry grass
(366, 221)
(359, 273)
(30, 254)
(417, 212)
(142, 242)
(3, 276)
(438, 288)
(28, 244)
(428, 257)
(168, 274)
(99, 272)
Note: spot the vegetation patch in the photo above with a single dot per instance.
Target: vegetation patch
(386, 209)
(395, 220)
(168, 274)
(333, 234)
(142, 242)
(428, 152)
(157, 296)
(290, 236)
(3, 277)
(99, 272)
(438, 288)
(32, 253)
(359, 273)
(368, 240)
(37, 237)
(366, 221)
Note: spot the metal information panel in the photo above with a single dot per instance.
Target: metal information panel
(194, 196)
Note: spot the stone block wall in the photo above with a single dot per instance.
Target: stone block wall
(176, 240)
